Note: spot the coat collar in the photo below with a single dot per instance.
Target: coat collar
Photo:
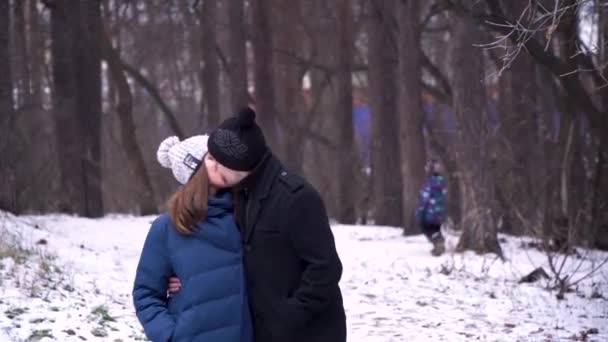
(257, 187)
(259, 182)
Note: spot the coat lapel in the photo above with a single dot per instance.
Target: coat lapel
(256, 201)
(254, 212)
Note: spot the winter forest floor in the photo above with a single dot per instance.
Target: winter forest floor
(71, 281)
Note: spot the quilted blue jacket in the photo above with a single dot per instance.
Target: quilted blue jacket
(212, 303)
(432, 201)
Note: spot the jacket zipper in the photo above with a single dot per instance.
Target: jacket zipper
(246, 218)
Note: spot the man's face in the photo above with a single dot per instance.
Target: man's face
(221, 176)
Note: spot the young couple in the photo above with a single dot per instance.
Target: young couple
(246, 252)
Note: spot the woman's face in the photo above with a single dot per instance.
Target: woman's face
(220, 176)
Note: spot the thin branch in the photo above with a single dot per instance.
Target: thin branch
(152, 91)
(574, 88)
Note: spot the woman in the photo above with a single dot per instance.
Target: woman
(197, 241)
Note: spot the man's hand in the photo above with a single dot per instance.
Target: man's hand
(174, 286)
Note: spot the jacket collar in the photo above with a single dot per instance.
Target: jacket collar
(259, 182)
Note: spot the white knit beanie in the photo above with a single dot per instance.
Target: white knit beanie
(182, 157)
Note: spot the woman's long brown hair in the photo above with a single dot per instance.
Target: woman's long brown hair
(188, 205)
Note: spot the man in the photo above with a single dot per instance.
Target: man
(291, 263)
(430, 212)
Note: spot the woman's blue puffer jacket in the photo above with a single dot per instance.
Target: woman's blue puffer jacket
(212, 302)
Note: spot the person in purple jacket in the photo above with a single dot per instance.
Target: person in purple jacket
(430, 212)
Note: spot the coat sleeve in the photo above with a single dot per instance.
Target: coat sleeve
(313, 240)
(423, 202)
(151, 281)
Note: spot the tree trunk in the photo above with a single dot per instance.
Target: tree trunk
(35, 43)
(321, 98)
(411, 136)
(35, 47)
(265, 100)
(347, 161)
(21, 74)
(479, 227)
(211, 68)
(7, 115)
(519, 152)
(288, 85)
(124, 109)
(69, 144)
(88, 105)
(238, 55)
(599, 225)
(387, 184)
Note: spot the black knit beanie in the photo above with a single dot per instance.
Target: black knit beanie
(238, 143)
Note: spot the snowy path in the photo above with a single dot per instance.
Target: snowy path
(393, 289)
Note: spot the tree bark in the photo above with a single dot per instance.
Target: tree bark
(288, 84)
(211, 68)
(411, 136)
(124, 109)
(479, 227)
(69, 144)
(347, 161)
(238, 55)
(88, 106)
(7, 115)
(599, 224)
(36, 49)
(387, 184)
(519, 149)
(21, 75)
(265, 99)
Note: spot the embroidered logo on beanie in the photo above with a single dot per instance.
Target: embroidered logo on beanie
(230, 143)
(238, 143)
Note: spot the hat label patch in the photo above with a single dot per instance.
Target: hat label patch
(191, 161)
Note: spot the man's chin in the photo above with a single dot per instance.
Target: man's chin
(219, 186)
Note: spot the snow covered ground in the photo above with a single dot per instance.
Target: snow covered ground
(73, 283)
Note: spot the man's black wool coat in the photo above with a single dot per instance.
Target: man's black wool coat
(291, 263)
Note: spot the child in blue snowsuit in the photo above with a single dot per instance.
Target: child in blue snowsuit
(430, 212)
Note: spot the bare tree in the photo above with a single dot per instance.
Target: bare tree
(289, 82)
(238, 54)
(519, 147)
(64, 33)
(124, 109)
(474, 148)
(347, 162)
(264, 76)
(88, 105)
(411, 136)
(210, 75)
(7, 114)
(21, 56)
(35, 47)
(386, 180)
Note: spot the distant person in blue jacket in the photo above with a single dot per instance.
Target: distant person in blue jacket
(430, 212)
(199, 242)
